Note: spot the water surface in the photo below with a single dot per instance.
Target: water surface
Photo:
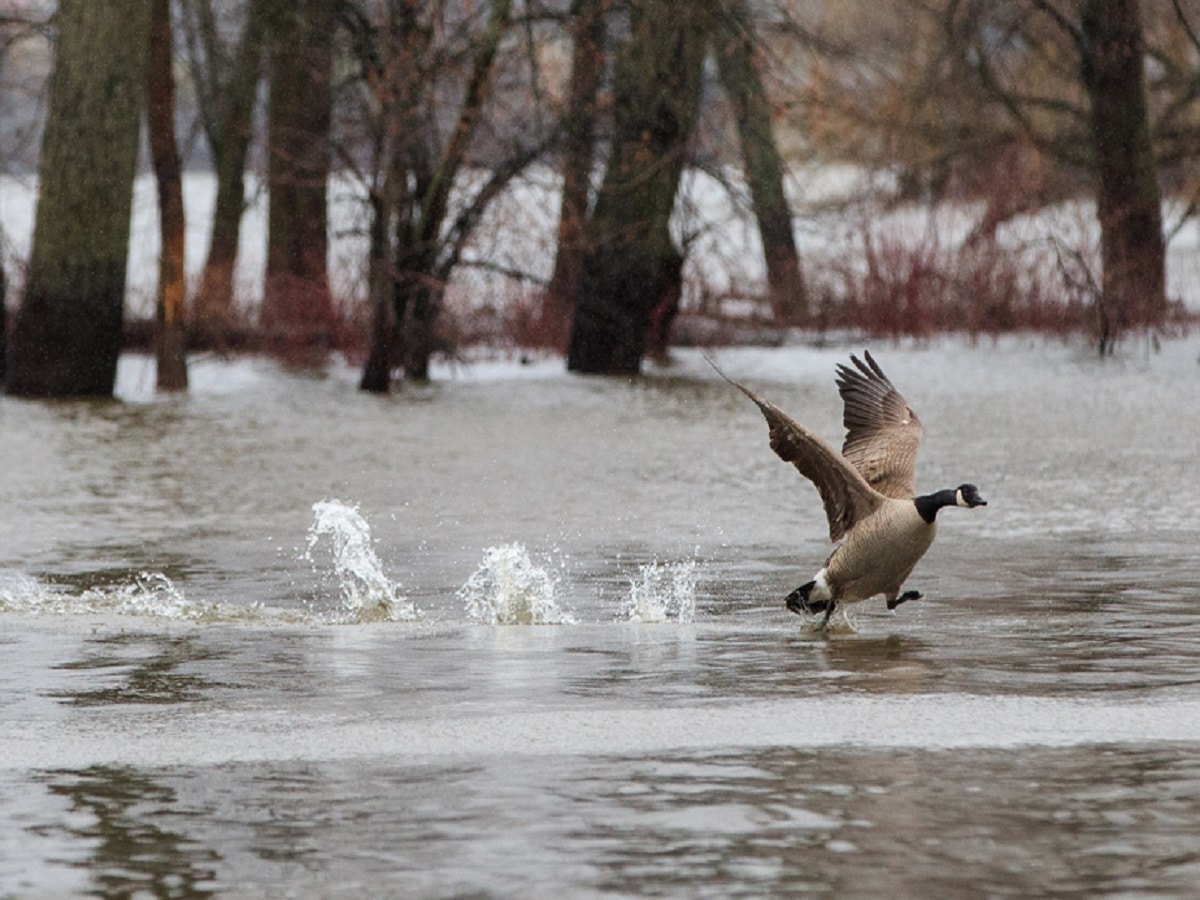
(522, 634)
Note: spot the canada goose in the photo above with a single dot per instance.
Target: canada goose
(867, 490)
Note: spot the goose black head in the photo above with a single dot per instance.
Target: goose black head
(968, 495)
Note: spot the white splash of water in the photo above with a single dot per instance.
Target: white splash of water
(841, 622)
(149, 594)
(508, 588)
(367, 594)
(661, 592)
(20, 592)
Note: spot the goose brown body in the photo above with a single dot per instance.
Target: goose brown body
(867, 490)
(879, 554)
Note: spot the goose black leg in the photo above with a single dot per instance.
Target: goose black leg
(904, 598)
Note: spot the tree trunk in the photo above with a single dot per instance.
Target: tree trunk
(589, 27)
(401, 170)
(171, 344)
(735, 47)
(630, 260)
(68, 334)
(3, 325)
(377, 373)
(1129, 205)
(228, 125)
(297, 311)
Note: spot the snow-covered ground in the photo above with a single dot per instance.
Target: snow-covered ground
(517, 235)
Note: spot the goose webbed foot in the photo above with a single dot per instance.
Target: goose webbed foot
(799, 602)
(893, 602)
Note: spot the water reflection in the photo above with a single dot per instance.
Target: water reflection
(1067, 823)
(1078, 822)
(660, 662)
(141, 668)
(121, 815)
(893, 663)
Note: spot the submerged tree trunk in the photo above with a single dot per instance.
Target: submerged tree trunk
(297, 311)
(68, 334)
(170, 342)
(1129, 204)
(402, 172)
(631, 264)
(735, 46)
(589, 26)
(377, 373)
(3, 326)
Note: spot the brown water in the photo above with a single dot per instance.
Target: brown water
(247, 639)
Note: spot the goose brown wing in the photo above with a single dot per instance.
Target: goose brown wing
(846, 496)
(883, 434)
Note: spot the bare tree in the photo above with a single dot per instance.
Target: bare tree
(1133, 253)
(297, 310)
(171, 339)
(417, 234)
(225, 73)
(69, 329)
(1096, 117)
(631, 264)
(589, 27)
(736, 47)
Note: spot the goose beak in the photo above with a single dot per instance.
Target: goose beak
(969, 497)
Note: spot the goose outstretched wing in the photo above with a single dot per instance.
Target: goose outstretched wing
(883, 434)
(845, 494)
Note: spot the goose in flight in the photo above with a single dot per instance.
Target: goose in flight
(867, 490)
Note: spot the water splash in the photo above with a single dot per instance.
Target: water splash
(842, 622)
(661, 592)
(149, 594)
(20, 592)
(367, 594)
(508, 588)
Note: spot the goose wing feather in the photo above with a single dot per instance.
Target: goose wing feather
(845, 494)
(883, 434)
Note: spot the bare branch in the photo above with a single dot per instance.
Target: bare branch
(1187, 25)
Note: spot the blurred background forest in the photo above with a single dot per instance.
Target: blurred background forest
(397, 179)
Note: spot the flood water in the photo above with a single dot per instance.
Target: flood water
(521, 634)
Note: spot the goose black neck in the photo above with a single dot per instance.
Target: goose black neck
(929, 504)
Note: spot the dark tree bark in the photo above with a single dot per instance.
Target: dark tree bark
(377, 372)
(631, 264)
(402, 198)
(735, 45)
(226, 87)
(68, 333)
(170, 344)
(3, 325)
(589, 28)
(297, 310)
(1131, 234)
